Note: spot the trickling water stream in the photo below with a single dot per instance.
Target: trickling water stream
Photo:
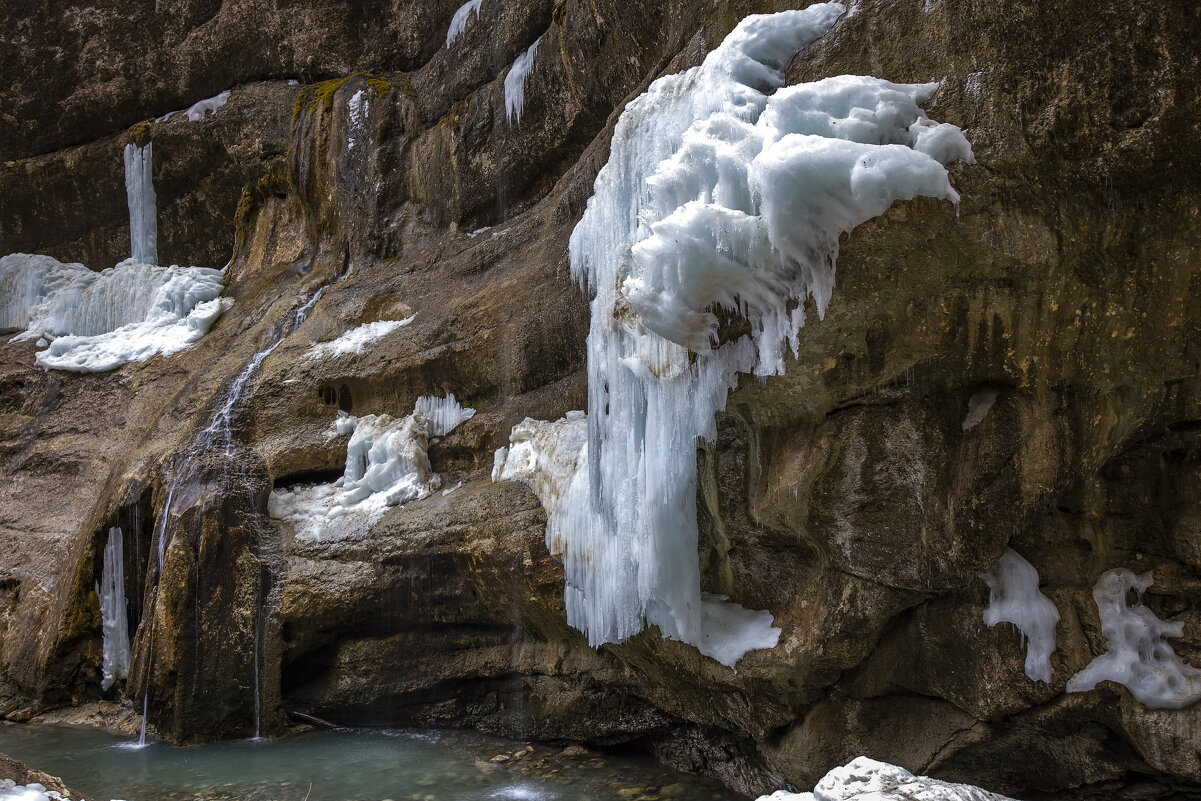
(217, 437)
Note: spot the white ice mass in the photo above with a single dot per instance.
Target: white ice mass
(356, 339)
(114, 624)
(515, 83)
(97, 321)
(386, 465)
(458, 23)
(143, 209)
(11, 791)
(1138, 657)
(1014, 597)
(721, 189)
(864, 779)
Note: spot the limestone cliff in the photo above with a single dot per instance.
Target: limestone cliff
(847, 496)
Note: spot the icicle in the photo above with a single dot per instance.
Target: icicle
(515, 83)
(143, 212)
(458, 23)
(114, 623)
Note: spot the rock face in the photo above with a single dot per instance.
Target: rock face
(848, 497)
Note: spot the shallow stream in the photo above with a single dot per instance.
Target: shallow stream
(345, 765)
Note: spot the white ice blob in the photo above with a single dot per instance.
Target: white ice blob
(1014, 597)
(1138, 657)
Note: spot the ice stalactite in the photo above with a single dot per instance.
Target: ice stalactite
(113, 617)
(722, 189)
(387, 465)
(143, 210)
(1138, 657)
(515, 83)
(458, 23)
(99, 321)
(1014, 597)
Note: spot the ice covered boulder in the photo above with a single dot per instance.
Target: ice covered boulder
(864, 779)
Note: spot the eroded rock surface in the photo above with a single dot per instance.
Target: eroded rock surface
(847, 496)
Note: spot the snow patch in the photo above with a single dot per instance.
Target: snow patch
(515, 83)
(1138, 657)
(458, 23)
(356, 339)
(864, 779)
(1014, 597)
(721, 189)
(98, 321)
(386, 465)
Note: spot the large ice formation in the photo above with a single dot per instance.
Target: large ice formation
(114, 623)
(864, 779)
(1138, 657)
(356, 339)
(386, 465)
(1014, 597)
(99, 321)
(143, 209)
(458, 23)
(515, 83)
(722, 189)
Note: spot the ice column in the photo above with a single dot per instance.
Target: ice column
(114, 623)
(143, 214)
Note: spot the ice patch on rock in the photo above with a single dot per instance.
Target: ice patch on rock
(98, 321)
(356, 339)
(864, 779)
(386, 465)
(11, 791)
(201, 108)
(1138, 658)
(978, 406)
(458, 23)
(1014, 597)
(721, 189)
(515, 83)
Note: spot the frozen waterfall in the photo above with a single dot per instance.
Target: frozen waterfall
(143, 210)
(114, 622)
(722, 189)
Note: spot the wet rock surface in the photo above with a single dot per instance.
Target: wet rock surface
(846, 496)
